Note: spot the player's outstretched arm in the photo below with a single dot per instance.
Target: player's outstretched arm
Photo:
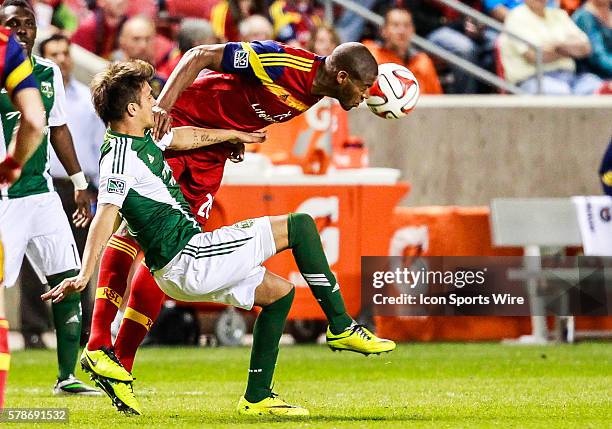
(101, 229)
(193, 62)
(187, 138)
(63, 145)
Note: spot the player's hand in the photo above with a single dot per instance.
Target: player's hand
(82, 215)
(248, 138)
(237, 152)
(163, 122)
(10, 171)
(65, 288)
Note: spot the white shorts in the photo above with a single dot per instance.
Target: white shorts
(221, 266)
(36, 226)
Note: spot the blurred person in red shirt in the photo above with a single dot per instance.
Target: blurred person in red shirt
(98, 32)
(396, 47)
(227, 15)
(192, 32)
(323, 40)
(137, 41)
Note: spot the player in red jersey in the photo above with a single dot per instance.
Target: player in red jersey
(17, 79)
(246, 87)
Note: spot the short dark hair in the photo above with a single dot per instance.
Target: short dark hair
(120, 84)
(19, 3)
(53, 38)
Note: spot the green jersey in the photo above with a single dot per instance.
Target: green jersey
(35, 176)
(135, 177)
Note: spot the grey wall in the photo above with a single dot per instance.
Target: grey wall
(466, 150)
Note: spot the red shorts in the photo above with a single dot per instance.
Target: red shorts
(199, 173)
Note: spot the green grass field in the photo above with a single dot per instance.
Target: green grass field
(418, 385)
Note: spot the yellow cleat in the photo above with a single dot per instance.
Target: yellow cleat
(104, 363)
(121, 393)
(357, 338)
(272, 405)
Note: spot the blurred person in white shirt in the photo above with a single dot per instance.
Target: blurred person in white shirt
(86, 127)
(562, 43)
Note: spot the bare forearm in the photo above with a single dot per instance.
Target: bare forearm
(31, 124)
(193, 62)
(187, 138)
(548, 55)
(61, 140)
(100, 231)
(574, 49)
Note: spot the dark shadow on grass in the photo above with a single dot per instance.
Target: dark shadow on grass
(247, 420)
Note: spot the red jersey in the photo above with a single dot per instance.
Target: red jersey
(263, 83)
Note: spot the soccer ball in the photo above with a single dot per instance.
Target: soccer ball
(395, 92)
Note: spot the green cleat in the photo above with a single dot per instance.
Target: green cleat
(74, 386)
(357, 338)
(104, 363)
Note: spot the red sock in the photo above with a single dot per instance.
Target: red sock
(5, 358)
(112, 282)
(146, 299)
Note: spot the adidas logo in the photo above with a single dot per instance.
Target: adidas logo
(73, 319)
(151, 158)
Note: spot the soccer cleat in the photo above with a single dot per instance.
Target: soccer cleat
(104, 363)
(357, 338)
(272, 405)
(74, 386)
(121, 393)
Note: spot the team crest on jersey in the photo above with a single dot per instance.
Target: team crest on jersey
(241, 59)
(244, 224)
(116, 186)
(46, 89)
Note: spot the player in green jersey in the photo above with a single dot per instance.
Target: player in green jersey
(32, 219)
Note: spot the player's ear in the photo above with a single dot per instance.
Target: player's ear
(131, 109)
(341, 77)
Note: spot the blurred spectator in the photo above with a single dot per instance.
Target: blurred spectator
(136, 39)
(55, 15)
(227, 15)
(561, 41)
(136, 42)
(86, 128)
(193, 32)
(87, 134)
(449, 30)
(350, 26)
(396, 47)
(294, 21)
(323, 40)
(595, 19)
(98, 32)
(255, 27)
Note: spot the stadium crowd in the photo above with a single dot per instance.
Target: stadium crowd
(575, 36)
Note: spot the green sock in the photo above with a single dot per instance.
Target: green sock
(67, 316)
(267, 332)
(305, 242)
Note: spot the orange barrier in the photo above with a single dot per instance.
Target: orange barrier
(456, 231)
(352, 221)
